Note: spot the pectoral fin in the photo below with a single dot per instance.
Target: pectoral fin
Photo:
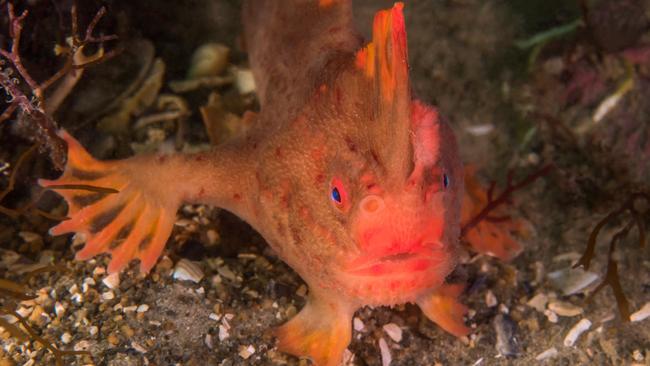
(117, 213)
(321, 331)
(443, 308)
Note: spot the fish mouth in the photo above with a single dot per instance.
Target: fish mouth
(398, 263)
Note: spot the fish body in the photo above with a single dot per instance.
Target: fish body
(353, 182)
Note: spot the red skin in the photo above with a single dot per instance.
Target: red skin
(333, 115)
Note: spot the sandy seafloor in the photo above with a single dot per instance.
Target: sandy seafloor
(464, 61)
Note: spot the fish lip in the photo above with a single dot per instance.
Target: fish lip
(398, 263)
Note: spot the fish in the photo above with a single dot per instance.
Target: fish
(352, 181)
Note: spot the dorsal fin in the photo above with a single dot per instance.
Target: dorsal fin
(385, 59)
(384, 63)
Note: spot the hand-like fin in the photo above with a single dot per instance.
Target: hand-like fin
(117, 214)
(321, 332)
(443, 308)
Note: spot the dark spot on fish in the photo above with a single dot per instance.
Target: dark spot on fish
(86, 175)
(87, 199)
(122, 235)
(102, 220)
(145, 243)
(281, 229)
(295, 235)
(375, 157)
(278, 152)
(320, 178)
(161, 158)
(236, 196)
(334, 30)
(351, 145)
(199, 157)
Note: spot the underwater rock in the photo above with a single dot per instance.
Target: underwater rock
(506, 330)
(572, 280)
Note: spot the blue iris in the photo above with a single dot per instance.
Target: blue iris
(445, 180)
(336, 195)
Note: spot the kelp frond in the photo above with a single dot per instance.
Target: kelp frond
(635, 207)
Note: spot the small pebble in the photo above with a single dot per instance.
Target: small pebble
(136, 346)
(24, 312)
(394, 332)
(358, 324)
(563, 308)
(549, 353)
(112, 281)
(77, 298)
(142, 308)
(551, 316)
(575, 332)
(480, 130)
(66, 338)
(244, 81)
(59, 309)
(538, 302)
(227, 273)
(127, 309)
(637, 355)
(386, 357)
(108, 295)
(490, 299)
(186, 270)
(209, 59)
(223, 333)
(641, 314)
(246, 351)
(93, 330)
(302, 291)
(208, 341)
(82, 346)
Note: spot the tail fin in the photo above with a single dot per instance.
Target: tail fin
(116, 213)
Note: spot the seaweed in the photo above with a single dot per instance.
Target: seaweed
(34, 119)
(11, 293)
(504, 197)
(30, 207)
(635, 206)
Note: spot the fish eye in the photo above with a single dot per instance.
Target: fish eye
(338, 194)
(445, 180)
